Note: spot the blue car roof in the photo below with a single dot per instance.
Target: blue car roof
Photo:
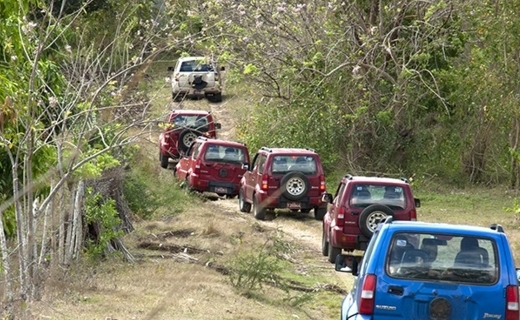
(419, 227)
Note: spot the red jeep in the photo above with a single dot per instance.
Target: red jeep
(182, 128)
(283, 178)
(359, 204)
(213, 165)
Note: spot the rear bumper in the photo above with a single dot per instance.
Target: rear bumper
(221, 187)
(282, 202)
(348, 242)
(191, 92)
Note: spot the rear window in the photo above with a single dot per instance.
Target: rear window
(443, 257)
(363, 195)
(195, 66)
(284, 163)
(197, 122)
(220, 153)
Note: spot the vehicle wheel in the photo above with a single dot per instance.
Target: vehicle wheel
(319, 213)
(332, 252)
(164, 161)
(295, 185)
(242, 204)
(324, 243)
(371, 216)
(186, 138)
(258, 209)
(217, 97)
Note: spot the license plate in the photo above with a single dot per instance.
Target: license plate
(294, 205)
(220, 190)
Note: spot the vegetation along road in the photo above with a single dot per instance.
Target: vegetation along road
(92, 228)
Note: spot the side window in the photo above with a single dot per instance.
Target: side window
(368, 253)
(261, 163)
(339, 194)
(196, 150)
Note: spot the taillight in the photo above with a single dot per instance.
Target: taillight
(340, 217)
(323, 187)
(264, 183)
(413, 215)
(366, 303)
(196, 169)
(512, 303)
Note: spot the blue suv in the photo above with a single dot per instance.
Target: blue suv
(418, 270)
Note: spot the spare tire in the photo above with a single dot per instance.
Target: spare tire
(371, 216)
(186, 138)
(295, 185)
(198, 83)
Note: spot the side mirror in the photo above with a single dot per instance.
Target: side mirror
(171, 69)
(417, 202)
(347, 263)
(218, 126)
(245, 166)
(326, 197)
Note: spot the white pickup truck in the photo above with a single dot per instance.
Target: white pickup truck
(196, 77)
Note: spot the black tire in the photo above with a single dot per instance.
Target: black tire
(295, 185)
(242, 204)
(217, 97)
(332, 252)
(199, 83)
(371, 216)
(319, 213)
(186, 138)
(164, 161)
(258, 210)
(324, 243)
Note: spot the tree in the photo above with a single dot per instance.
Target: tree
(66, 112)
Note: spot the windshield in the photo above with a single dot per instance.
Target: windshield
(442, 257)
(363, 195)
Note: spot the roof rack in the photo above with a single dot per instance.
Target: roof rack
(497, 227)
(266, 149)
(404, 179)
(348, 176)
(311, 150)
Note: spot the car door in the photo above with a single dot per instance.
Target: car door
(253, 176)
(184, 164)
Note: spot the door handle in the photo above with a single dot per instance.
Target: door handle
(398, 291)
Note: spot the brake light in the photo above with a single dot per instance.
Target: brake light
(196, 169)
(340, 217)
(413, 215)
(265, 182)
(512, 303)
(323, 187)
(366, 303)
